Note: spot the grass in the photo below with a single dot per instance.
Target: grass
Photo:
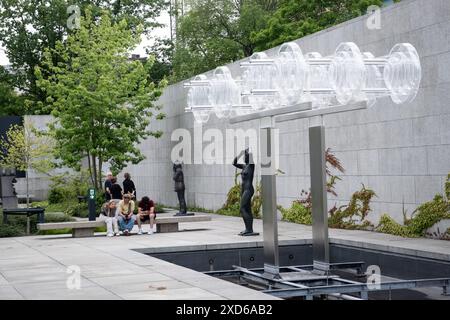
(58, 207)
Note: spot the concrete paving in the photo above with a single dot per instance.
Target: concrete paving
(36, 267)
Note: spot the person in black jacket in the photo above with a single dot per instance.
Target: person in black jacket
(116, 190)
(128, 186)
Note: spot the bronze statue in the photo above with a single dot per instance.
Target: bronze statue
(247, 190)
(178, 177)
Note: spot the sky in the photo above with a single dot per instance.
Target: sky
(160, 33)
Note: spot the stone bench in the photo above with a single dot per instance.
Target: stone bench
(170, 223)
(82, 229)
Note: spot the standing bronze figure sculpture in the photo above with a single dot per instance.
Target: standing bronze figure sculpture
(247, 190)
(180, 188)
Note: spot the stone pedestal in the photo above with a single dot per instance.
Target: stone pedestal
(167, 227)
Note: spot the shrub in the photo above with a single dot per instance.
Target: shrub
(55, 217)
(11, 230)
(159, 208)
(390, 226)
(353, 215)
(66, 187)
(423, 218)
(428, 214)
(75, 209)
(297, 213)
(56, 195)
(233, 203)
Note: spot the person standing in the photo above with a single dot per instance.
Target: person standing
(126, 216)
(116, 190)
(108, 185)
(146, 211)
(128, 186)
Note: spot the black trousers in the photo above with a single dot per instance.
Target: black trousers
(182, 201)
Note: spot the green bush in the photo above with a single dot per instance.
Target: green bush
(58, 217)
(428, 214)
(11, 230)
(233, 203)
(76, 209)
(390, 226)
(66, 187)
(353, 215)
(297, 213)
(17, 225)
(423, 218)
(159, 208)
(56, 195)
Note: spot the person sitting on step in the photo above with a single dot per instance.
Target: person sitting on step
(146, 211)
(109, 215)
(126, 216)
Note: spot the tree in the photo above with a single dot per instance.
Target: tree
(23, 148)
(162, 51)
(11, 103)
(217, 32)
(102, 101)
(295, 19)
(27, 27)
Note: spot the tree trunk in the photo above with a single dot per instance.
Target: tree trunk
(94, 165)
(100, 165)
(28, 192)
(90, 168)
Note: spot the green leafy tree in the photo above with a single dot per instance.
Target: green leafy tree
(162, 51)
(217, 32)
(23, 148)
(11, 103)
(102, 101)
(27, 27)
(297, 18)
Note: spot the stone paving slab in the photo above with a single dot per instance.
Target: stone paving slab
(35, 267)
(191, 293)
(8, 292)
(3, 281)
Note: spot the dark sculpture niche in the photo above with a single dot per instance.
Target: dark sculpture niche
(178, 178)
(247, 190)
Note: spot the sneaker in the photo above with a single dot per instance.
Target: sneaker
(126, 233)
(117, 234)
(140, 232)
(150, 232)
(110, 235)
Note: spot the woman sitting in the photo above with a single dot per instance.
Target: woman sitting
(108, 214)
(146, 211)
(125, 214)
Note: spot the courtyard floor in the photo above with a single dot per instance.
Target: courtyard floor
(35, 267)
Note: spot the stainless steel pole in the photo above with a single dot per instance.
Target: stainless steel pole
(269, 198)
(321, 252)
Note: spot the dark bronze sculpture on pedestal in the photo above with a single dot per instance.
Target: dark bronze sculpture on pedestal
(247, 191)
(178, 178)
